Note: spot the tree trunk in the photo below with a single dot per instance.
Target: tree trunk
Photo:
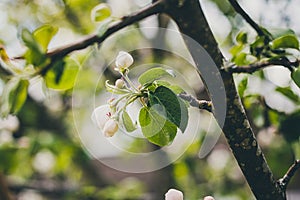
(192, 22)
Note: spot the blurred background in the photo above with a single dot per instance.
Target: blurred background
(50, 151)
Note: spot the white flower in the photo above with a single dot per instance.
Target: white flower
(208, 198)
(119, 83)
(173, 194)
(123, 61)
(101, 115)
(110, 128)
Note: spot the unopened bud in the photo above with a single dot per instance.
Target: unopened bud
(110, 128)
(119, 83)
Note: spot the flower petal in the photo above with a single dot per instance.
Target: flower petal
(99, 116)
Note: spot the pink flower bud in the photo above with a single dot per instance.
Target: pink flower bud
(110, 128)
(123, 61)
(173, 194)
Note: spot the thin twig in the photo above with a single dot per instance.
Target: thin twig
(248, 19)
(201, 104)
(59, 53)
(284, 181)
(260, 65)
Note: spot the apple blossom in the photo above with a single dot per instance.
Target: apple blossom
(173, 194)
(123, 61)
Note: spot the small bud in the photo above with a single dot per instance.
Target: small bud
(110, 128)
(123, 61)
(119, 83)
(173, 194)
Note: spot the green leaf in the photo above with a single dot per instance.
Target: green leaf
(286, 41)
(156, 128)
(175, 88)
(128, 124)
(34, 55)
(243, 86)
(256, 48)
(296, 76)
(242, 38)
(100, 12)
(62, 75)
(176, 110)
(14, 96)
(236, 49)
(286, 91)
(43, 35)
(240, 59)
(154, 74)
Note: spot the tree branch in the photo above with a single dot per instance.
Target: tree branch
(201, 104)
(248, 19)
(4, 191)
(284, 181)
(260, 65)
(237, 129)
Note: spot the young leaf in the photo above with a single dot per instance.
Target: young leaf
(296, 76)
(100, 12)
(14, 96)
(242, 38)
(176, 110)
(154, 74)
(286, 41)
(156, 128)
(128, 124)
(34, 55)
(62, 75)
(43, 35)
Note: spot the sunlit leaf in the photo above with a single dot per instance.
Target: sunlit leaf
(14, 96)
(100, 12)
(34, 55)
(242, 38)
(286, 41)
(62, 75)
(43, 35)
(154, 74)
(127, 121)
(156, 128)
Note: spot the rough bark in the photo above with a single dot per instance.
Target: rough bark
(192, 22)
